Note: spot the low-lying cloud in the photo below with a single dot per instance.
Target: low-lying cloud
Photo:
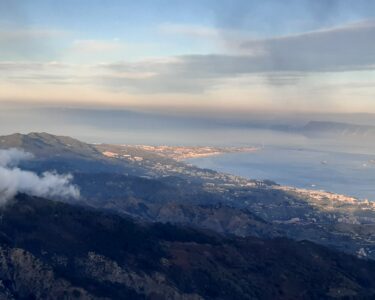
(14, 180)
(12, 157)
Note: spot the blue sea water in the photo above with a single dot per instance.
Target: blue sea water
(345, 173)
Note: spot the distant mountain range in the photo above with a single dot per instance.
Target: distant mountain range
(327, 129)
(156, 228)
(320, 128)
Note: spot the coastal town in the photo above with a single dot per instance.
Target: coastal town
(319, 214)
(182, 153)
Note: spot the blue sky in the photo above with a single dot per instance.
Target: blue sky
(143, 21)
(302, 55)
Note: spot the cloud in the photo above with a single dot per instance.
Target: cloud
(213, 37)
(13, 180)
(345, 48)
(12, 157)
(30, 72)
(280, 60)
(342, 49)
(274, 15)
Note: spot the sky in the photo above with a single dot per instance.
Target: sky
(238, 55)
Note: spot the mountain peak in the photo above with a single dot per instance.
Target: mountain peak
(46, 144)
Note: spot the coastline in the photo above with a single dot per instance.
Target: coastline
(315, 177)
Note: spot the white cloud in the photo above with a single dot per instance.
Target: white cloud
(13, 180)
(12, 157)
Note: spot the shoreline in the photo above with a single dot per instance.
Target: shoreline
(304, 188)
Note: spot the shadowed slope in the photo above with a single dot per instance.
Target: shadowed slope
(100, 254)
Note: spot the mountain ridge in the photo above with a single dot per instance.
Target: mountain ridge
(46, 144)
(95, 255)
(339, 128)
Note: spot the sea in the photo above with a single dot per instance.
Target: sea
(351, 174)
